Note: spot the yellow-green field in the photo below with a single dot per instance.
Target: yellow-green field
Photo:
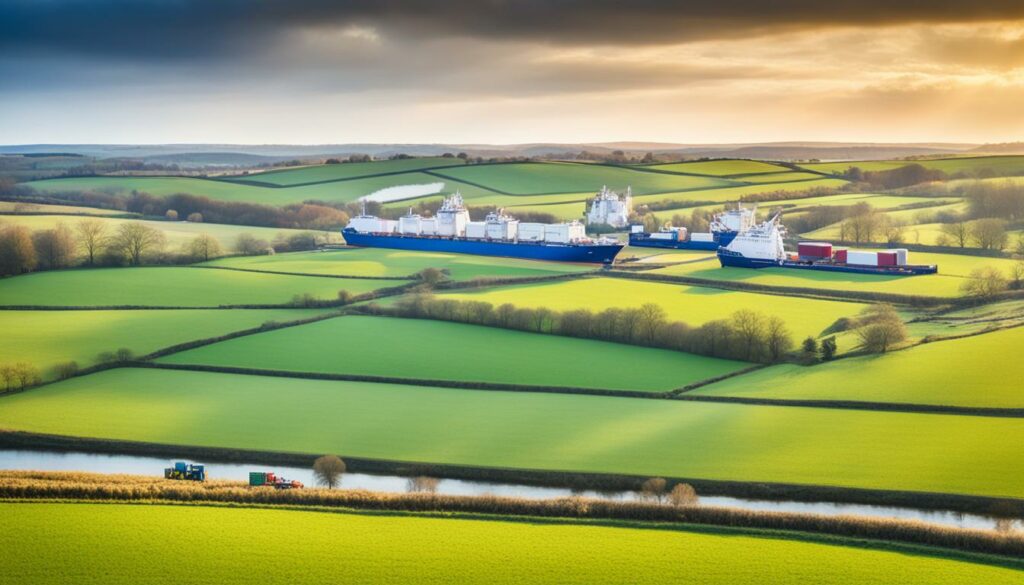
(566, 432)
(953, 268)
(690, 304)
(111, 544)
(722, 167)
(19, 207)
(436, 350)
(385, 262)
(171, 286)
(178, 234)
(47, 338)
(973, 371)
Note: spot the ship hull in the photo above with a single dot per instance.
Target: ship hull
(738, 261)
(645, 241)
(596, 253)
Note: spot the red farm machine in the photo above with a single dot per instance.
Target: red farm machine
(271, 479)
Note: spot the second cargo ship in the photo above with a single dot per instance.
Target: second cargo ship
(452, 230)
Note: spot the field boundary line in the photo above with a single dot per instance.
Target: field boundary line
(341, 276)
(582, 480)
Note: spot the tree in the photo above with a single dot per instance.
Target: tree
(26, 374)
(17, 253)
(683, 494)
(828, 348)
(9, 375)
(809, 347)
(653, 489)
(778, 339)
(988, 233)
(171, 215)
(959, 232)
(55, 248)
(880, 327)
(651, 317)
(249, 245)
(422, 484)
(431, 276)
(92, 236)
(327, 470)
(135, 239)
(204, 247)
(984, 282)
(750, 326)
(195, 217)
(65, 370)
(123, 354)
(1017, 275)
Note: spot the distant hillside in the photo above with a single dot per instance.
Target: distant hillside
(1003, 148)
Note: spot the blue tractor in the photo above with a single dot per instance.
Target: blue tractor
(186, 471)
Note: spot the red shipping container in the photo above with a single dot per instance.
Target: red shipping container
(887, 259)
(841, 255)
(815, 249)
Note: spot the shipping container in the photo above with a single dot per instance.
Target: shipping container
(564, 233)
(861, 258)
(409, 224)
(887, 258)
(636, 229)
(365, 224)
(531, 232)
(388, 226)
(902, 256)
(840, 255)
(702, 237)
(428, 226)
(257, 478)
(814, 249)
(476, 229)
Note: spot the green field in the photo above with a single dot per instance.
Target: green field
(973, 371)
(111, 544)
(952, 270)
(171, 286)
(777, 177)
(384, 262)
(178, 234)
(727, 194)
(536, 178)
(866, 449)
(690, 304)
(340, 172)
(15, 207)
(46, 338)
(1008, 164)
(721, 167)
(412, 348)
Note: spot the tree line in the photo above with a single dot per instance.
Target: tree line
(747, 335)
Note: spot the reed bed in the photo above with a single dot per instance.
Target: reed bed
(89, 486)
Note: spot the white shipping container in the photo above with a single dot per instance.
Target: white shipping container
(428, 226)
(702, 237)
(476, 229)
(564, 233)
(664, 236)
(862, 258)
(388, 226)
(531, 232)
(409, 224)
(502, 230)
(636, 229)
(365, 224)
(902, 255)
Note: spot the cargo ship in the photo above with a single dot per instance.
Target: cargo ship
(724, 227)
(452, 230)
(761, 246)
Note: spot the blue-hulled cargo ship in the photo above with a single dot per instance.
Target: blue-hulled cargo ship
(724, 227)
(452, 230)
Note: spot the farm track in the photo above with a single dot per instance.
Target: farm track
(983, 505)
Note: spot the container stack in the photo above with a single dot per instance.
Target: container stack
(814, 250)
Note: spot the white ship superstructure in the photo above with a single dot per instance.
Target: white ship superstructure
(610, 208)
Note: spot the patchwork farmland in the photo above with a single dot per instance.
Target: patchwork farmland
(661, 382)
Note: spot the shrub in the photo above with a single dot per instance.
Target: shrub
(880, 327)
(327, 470)
(66, 370)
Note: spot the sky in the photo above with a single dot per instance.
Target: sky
(510, 71)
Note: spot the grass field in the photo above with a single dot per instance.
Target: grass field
(310, 174)
(145, 543)
(1009, 164)
(411, 348)
(693, 305)
(727, 194)
(534, 178)
(24, 207)
(952, 270)
(918, 452)
(777, 177)
(384, 262)
(973, 371)
(177, 233)
(46, 338)
(171, 286)
(721, 167)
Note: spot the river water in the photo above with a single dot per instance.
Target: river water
(103, 463)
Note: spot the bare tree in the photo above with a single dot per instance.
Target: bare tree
(92, 236)
(988, 233)
(654, 489)
(17, 253)
(958, 231)
(422, 484)
(750, 326)
(683, 494)
(204, 247)
(26, 374)
(135, 239)
(249, 245)
(328, 470)
(9, 375)
(651, 317)
(55, 248)
(984, 282)
(880, 327)
(778, 339)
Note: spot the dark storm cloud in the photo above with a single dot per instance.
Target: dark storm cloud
(195, 29)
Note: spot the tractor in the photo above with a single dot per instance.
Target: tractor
(186, 471)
